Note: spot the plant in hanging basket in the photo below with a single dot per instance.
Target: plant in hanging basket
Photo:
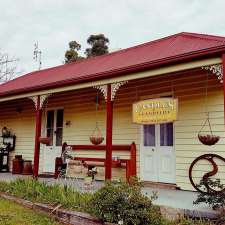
(208, 139)
(44, 140)
(96, 140)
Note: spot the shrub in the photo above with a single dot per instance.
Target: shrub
(215, 200)
(124, 204)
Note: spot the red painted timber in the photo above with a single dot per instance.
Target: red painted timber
(109, 127)
(133, 160)
(127, 162)
(37, 136)
(100, 147)
(223, 70)
(131, 164)
(97, 159)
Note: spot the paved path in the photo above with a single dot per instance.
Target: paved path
(176, 198)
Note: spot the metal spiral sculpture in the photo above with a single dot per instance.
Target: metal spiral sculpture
(210, 158)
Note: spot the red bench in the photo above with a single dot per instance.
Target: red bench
(130, 164)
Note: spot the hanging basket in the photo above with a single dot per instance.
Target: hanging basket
(210, 138)
(44, 140)
(96, 138)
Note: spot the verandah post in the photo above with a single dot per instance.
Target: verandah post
(223, 72)
(133, 159)
(109, 127)
(37, 136)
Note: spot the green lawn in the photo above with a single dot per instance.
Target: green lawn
(13, 214)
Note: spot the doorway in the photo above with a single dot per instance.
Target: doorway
(54, 130)
(157, 154)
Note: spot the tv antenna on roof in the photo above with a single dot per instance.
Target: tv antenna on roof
(37, 55)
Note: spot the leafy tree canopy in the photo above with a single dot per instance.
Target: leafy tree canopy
(99, 45)
(72, 54)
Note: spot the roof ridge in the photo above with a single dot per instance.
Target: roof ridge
(204, 36)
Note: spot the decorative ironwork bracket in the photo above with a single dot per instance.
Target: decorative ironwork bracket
(43, 98)
(114, 88)
(34, 99)
(216, 69)
(102, 89)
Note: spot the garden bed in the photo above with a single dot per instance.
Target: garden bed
(63, 216)
(122, 202)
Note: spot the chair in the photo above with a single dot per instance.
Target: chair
(72, 171)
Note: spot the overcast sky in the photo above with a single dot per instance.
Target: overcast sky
(53, 23)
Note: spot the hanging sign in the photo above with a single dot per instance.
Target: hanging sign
(153, 111)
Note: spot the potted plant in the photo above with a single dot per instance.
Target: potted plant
(6, 132)
(44, 140)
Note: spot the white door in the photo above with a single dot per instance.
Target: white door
(54, 130)
(157, 153)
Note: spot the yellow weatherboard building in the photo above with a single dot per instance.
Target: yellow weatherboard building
(138, 91)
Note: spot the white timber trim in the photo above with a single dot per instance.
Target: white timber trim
(114, 88)
(102, 89)
(34, 99)
(43, 98)
(216, 69)
(138, 75)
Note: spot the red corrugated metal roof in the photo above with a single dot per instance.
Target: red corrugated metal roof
(155, 53)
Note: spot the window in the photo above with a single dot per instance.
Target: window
(166, 134)
(50, 126)
(59, 127)
(149, 135)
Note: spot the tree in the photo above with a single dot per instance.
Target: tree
(99, 45)
(7, 67)
(72, 55)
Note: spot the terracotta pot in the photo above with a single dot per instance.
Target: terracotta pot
(96, 140)
(208, 139)
(18, 157)
(116, 163)
(17, 165)
(44, 140)
(27, 167)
